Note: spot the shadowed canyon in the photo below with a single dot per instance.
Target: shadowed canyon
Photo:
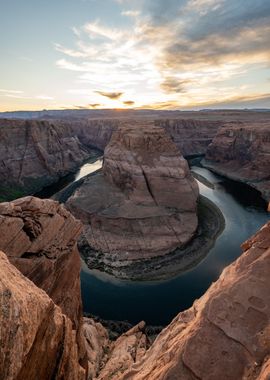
(135, 245)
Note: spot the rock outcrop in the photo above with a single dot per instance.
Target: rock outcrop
(241, 151)
(226, 333)
(36, 337)
(34, 154)
(110, 359)
(144, 202)
(39, 238)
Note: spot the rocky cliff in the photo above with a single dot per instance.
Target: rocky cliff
(242, 152)
(144, 202)
(39, 238)
(37, 339)
(34, 154)
(192, 137)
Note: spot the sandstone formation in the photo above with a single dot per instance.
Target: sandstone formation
(192, 137)
(94, 133)
(226, 333)
(242, 152)
(39, 238)
(110, 359)
(144, 202)
(37, 339)
(34, 154)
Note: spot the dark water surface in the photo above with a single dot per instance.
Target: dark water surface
(158, 302)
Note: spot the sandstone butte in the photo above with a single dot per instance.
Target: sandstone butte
(224, 335)
(241, 151)
(144, 202)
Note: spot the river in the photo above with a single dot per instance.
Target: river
(158, 302)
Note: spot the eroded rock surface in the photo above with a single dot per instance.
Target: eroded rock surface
(110, 359)
(37, 340)
(192, 137)
(34, 154)
(40, 239)
(226, 334)
(241, 151)
(144, 202)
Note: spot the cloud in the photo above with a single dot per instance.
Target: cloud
(95, 105)
(44, 97)
(11, 91)
(97, 30)
(110, 95)
(173, 54)
(128, 102)
(174, 85)
(130, 13)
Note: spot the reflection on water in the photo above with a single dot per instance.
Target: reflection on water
(89, 167)
(157, 303)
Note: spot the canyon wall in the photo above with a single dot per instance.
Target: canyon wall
(242, 152)
(37, 339)
(34, 154)
(192, 137)
(39, 238)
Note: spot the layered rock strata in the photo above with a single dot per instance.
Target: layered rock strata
(192, 137)
(39, 238)
(34, 154)
(143, 204)
(37, 338)
(242, 152)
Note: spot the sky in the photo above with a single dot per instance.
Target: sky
(160, 54)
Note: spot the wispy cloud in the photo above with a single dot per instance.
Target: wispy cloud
(11, 91)
(130, 13)
(110, 95)
(129, 103)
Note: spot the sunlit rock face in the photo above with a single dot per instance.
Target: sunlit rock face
(241, 151)
(40, 239)
(225, 334)
(143, 203)
(37, 338)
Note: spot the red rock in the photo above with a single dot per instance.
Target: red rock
(191, 136)
(241, 151)
(34, 154)
(37, 339)
(40, 239)
(143, 204)
(226, 333)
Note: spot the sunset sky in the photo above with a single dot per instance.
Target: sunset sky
(163, 54)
